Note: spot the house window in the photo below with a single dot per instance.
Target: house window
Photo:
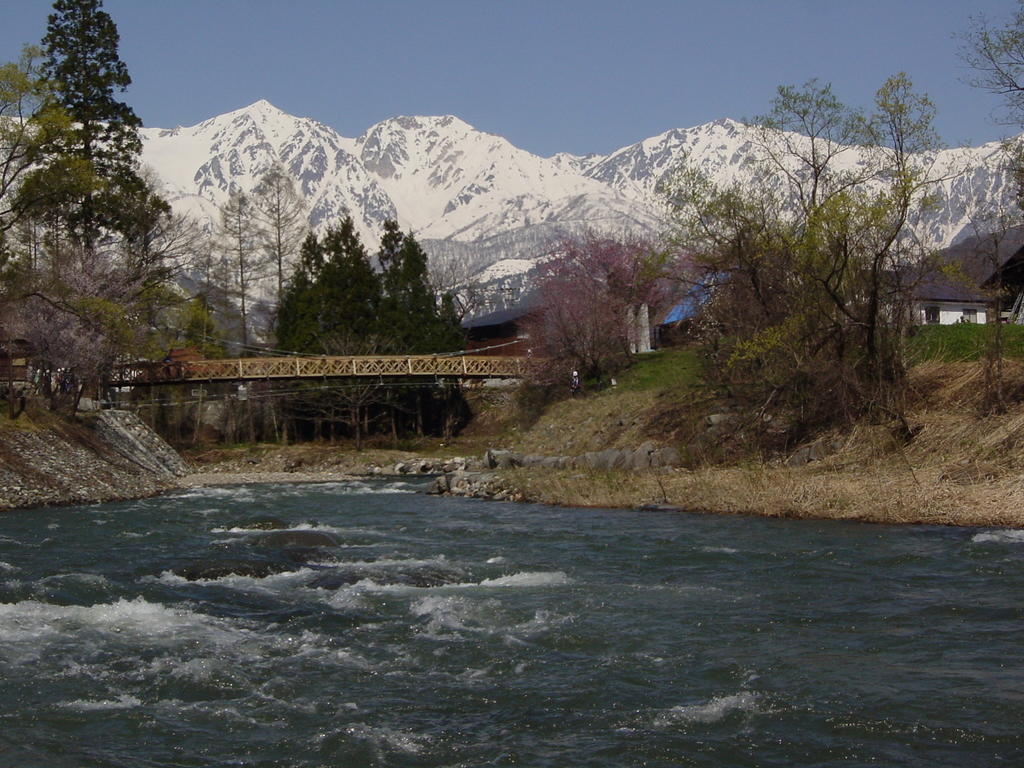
(969, 316)
(931, 315)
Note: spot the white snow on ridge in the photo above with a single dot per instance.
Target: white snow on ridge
(446, 181)
(506, 268)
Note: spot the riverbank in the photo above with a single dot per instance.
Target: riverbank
(885, 496)
(48, 461)
(893, 489)
(959, 468)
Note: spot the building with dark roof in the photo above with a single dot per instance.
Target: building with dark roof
(500, 333)
(977, 275)
(14, 358)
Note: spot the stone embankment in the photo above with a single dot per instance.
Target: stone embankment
(113, 456)
(476, 478)
(125, 433)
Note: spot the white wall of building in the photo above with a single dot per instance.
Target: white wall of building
(950, 312)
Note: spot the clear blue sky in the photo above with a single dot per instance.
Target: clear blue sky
(550, 75)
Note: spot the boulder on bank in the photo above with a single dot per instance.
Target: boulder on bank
(659, 507)
(606, 460)
(647, 456)
(488, 485)
(477, 485)
(805, 454)
(495, 459)
(429, 466)
(546, 462)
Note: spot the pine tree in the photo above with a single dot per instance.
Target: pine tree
(448, 335)
(410, 316)
(331, 304)
(351, 293)
(301, 306)
(421, 319)
(392, 312)
(390, 245)
(82, 61)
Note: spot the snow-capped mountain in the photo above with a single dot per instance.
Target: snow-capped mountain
(201, 164)
(474, 196)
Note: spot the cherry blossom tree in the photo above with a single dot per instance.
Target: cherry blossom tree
(591, 298)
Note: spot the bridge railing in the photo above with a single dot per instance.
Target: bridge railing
(257, 368)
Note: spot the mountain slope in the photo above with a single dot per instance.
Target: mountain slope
(465, 191)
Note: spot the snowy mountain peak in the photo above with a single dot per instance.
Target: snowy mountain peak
(262, 105)
(261, 111)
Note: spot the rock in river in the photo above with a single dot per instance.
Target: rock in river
(292, 539)
(261, 524)
(218, 569)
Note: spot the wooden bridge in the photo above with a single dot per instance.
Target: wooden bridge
(266, 368)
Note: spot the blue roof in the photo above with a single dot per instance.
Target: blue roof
(687, 307)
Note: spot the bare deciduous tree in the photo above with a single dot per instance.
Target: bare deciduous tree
(283, 222)
(454, 274)
(996, 56)
(239, 241)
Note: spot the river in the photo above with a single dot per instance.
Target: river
(393, 628)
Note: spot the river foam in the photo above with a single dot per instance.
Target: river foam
(1006, 536)
(711, 711)
(527, 580)
(29, 625)
(270, 582)
(125, 701)
(308, 526)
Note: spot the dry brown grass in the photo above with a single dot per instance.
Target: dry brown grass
(34, 419)
(873, 496)
(575, 426)
(961, 468)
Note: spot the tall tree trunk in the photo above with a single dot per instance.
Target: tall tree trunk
(273, 420)
(249, 418)
(12, 413)
(357, 423)
(199, 417)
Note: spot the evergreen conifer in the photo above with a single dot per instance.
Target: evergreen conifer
(82, 62)
(331, 304)
(351, 293)
(298, 317)
(410, 315)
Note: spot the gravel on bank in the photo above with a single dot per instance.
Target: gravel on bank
(50, 467)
